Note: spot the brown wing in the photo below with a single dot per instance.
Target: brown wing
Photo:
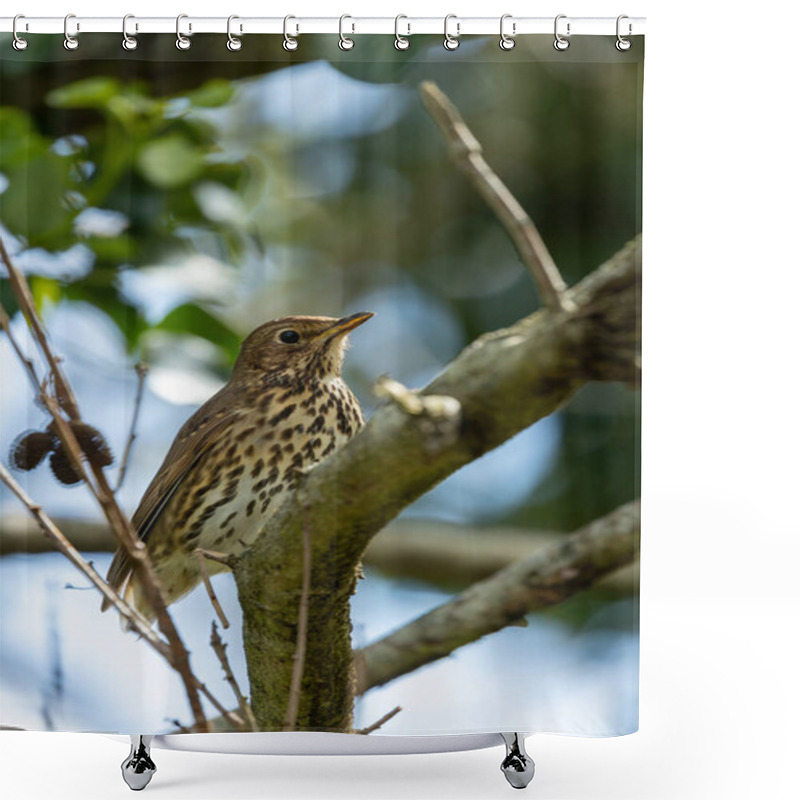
(199, 433)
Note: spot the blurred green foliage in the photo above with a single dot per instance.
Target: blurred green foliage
(137, 154)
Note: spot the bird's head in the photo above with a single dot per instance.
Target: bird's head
(298, 347)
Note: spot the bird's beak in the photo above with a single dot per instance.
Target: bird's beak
(345, 325)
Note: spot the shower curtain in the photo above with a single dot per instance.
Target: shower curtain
(467, 561)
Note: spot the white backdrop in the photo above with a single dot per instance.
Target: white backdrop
(721, 538)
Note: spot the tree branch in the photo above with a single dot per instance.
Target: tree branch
(455, 556)
(437, 552)
(467, 153)
(212, 595)
(219, 647)
(141, 374)
(379, 723)
(545, 578)
(27, 364)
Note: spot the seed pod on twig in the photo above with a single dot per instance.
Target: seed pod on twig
(30, 448)
(93, 444)
(62, 467)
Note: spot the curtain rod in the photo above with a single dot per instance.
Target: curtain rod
(298, 25)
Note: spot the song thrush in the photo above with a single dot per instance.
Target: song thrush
(284, 408)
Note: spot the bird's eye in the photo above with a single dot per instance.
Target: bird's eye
(289, 337)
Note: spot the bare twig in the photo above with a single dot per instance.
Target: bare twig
(545, 578)
(19, 285)
(219, 648)
(181, 728)
(466, 151)
(417, 404)
(212, 595)
(27, 364)
(141, 374)
(299, 657)
(233, 719)
(439, 416)
(379, 723)
(100, 488)
(227, 559)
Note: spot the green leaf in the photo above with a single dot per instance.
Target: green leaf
(44, 290)
(193, 319)
(211, 94)
(19, 141)
(113, 250)
(170, 162)
(93, 92)
(33, 203)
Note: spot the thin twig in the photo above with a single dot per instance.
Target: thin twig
(382, 721)
(212, 595)
(219, 648)
(141, 374)
(299, 657)
(100, 488)
(233, 719)
(27, 364)
(227, 559)
(19, 285)
(466, 151)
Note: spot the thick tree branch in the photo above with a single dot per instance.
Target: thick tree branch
(503, 382)
(545, 578)
(455, 556)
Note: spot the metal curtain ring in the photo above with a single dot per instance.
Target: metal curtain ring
(451, 42)
(400, 42)
(560, 42)
(129, 42)
(623, 44)
(70, 42)
(19, 43)
(344, 42)
(182, 42)
(289, 43)
(507, 42)
(234, 43)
